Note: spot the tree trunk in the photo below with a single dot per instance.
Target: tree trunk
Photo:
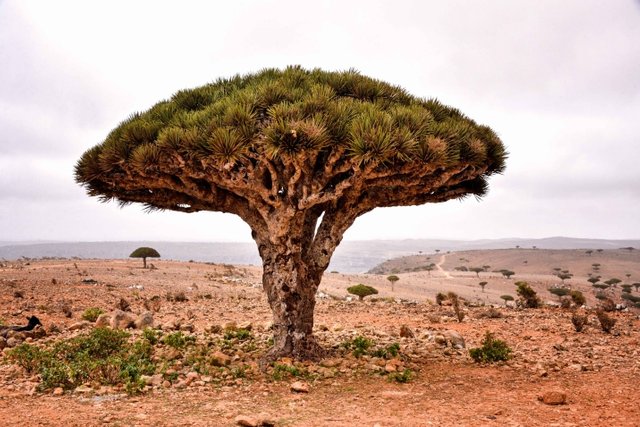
(291, 291)
(144, 262)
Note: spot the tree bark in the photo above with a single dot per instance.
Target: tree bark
(144, 262)
(291, 290)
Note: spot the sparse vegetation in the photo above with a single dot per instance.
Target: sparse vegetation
(492, 350)
(579, 321)
(392, 279)
(455, 303)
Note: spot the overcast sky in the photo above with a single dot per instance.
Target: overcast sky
(559, 81)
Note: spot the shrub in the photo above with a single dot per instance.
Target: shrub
(579, 321)
(578, 298)
(362, 291)
(401, 377)
(177, 340)
(280, 371)
(153, 304)
(387, 352)
(455, 302)
(92, 314)
(492, 350)
(440, 297)
(606, 323)
(238, 334)
(528, 298)
(633, 298)
(103, 356)
(607, 304)
(359, 345)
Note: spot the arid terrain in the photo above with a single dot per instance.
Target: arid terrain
(420, 377)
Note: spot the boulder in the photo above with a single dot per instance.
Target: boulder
(103, 320)
(144, 320)
(553, 397)
(122, 320)
(300, 387)
(406, 332)
(79, 325)
(454, 339)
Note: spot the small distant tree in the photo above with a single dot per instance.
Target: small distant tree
(599, 250)
(486, 267)
(429, 268)
(528, 298)
(144, 253)
(482, 285)
(633, 298)
(595, 266)
(601, 286)
(362, 291)
(588, 252)
(593, 280)
(559, 292)
(392, 279)
(507, 273)
(613, 282)
(506, 299)
(637, 286)
(626, 288)
(477, 270)
(564, 276)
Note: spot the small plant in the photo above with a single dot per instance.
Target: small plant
(359, 345)
(579, 321)
(491, 313)
(238, 334)
(92, 314)
(440, 297)
(387, 352)
(123, 305)
(151, 335)
(280, 371)
(528, 298)
(153, 304)
(362, 291)
(606, 323)
(401, 377)
(492, 350)
(607, 304)
(178, 340)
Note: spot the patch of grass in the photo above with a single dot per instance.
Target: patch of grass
(151, 335)
(492, 350)
(91, 314)
(392, 350)
(237, 334)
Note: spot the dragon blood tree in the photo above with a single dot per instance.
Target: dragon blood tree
(298, 155)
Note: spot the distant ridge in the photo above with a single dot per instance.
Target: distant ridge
(350, 257)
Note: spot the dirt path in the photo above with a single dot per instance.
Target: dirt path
(446, 274)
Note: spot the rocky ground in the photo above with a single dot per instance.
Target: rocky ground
(396, 361)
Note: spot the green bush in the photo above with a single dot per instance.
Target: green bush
(492, 350)
(401, 377)
(362, 291)
(578, 298)
(528, 298)
(387, 352)
(178, 340)
(359, 345)
(92, 314)
(281, 371)
(103, 356)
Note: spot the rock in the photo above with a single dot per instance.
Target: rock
(122, 320)
(83, 389)
(330, 363)
(191, 377)
(3, 343)
(166, 384)
(171, 354)
(247, 421)
(454, 339)
(187, 327)
(144, 320)
(406, 332)
(245, 325)
(103, 320)
(58, 391)
(553, 397)
(83, 324)
(53, 329)
(13, 341)
(300, 387)
(230, 325)
(441, 340)
(218, 358)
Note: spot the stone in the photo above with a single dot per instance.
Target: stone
(83, 324)
(83, 389)
(454, 339)
(245, 325)
(145, 320)
(191, 377)
(218, 358)
(406, 332)
(13, 341)
(122, 320)
(58, 391)
(440, 340)
(187, 327)
(103, 320)
(300, 387)
(3, 343)
(553, 397)
(247, 421)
